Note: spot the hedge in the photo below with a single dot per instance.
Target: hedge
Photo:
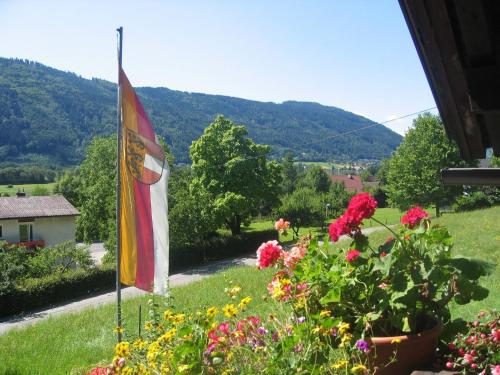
(220, 247)
(42, 292)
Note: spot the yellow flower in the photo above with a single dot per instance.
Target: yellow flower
(139, 344)
(122, 349)
(182, 368)
(325, 313)
(395, 341)
(164, 369)
(167, 314)
(233, 292)
(278, 292)
(148, 326)
(316, 329)
(340, 364)
(244, 302)
(118, 329)
(230, 310)
(359, 369)
(300, 303)
(345, 339)
(168, 335)
(177, 318)
(285, 281)
(212, 311)
(343, 328)
(229, 356)
(153, 351)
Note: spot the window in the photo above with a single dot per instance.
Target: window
(1, 232)
(25, 232)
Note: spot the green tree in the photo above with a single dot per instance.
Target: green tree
(495, 161)
(365, 175)
(234, 172)
(97, 190)
(413, 175)
(289, 173)
(317, 179)
(68, 185)
(191, 210)
(301, 208)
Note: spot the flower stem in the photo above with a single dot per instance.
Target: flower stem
(388, 228)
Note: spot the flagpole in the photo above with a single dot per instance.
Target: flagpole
(118, 190)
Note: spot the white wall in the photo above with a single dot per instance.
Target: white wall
(10, 230)
(52, 230)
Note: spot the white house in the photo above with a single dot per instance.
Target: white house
(47, 218)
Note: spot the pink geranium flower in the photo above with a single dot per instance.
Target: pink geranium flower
(281, 225)
(268, 253)
(292, 257)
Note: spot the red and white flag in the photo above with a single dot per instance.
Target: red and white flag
(144, 182)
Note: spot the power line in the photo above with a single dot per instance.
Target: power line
(338, 134)
(369, 126)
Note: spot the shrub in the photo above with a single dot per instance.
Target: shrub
(18, 293)
(473, 201)
(302, 207)
(44, 291)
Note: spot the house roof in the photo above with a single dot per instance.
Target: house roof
(351, 182)
(458, 43)
(32, 207)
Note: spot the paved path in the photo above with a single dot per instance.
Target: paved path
(175, 280)
(130, 292)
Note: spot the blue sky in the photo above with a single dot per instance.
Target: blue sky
(352, 54)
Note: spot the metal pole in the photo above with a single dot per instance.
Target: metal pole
(140, 319)
(118, 189)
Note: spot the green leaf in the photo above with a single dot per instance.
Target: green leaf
(333, 295)
(406, 324)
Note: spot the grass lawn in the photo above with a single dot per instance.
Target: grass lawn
(28, 188)
(385, 215)
(77, 341)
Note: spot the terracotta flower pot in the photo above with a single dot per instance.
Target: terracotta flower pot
(409, 352)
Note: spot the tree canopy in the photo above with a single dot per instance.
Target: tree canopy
(413, 174)
(234, 171)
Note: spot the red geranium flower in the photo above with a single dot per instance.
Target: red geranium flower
(413, 217)
(362, 206)
(268, 253)
(352, 255)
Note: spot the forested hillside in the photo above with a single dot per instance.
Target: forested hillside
(47, 117)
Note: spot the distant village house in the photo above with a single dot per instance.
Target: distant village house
(50, 219)
(352, 183)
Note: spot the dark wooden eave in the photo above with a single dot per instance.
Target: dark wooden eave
(458, 42)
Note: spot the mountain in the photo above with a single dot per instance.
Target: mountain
(47, 117)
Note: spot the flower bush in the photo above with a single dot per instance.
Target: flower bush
(224, 340)
(403, 286)
(477, 351)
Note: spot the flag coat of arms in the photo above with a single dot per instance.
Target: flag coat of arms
(143, 193)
